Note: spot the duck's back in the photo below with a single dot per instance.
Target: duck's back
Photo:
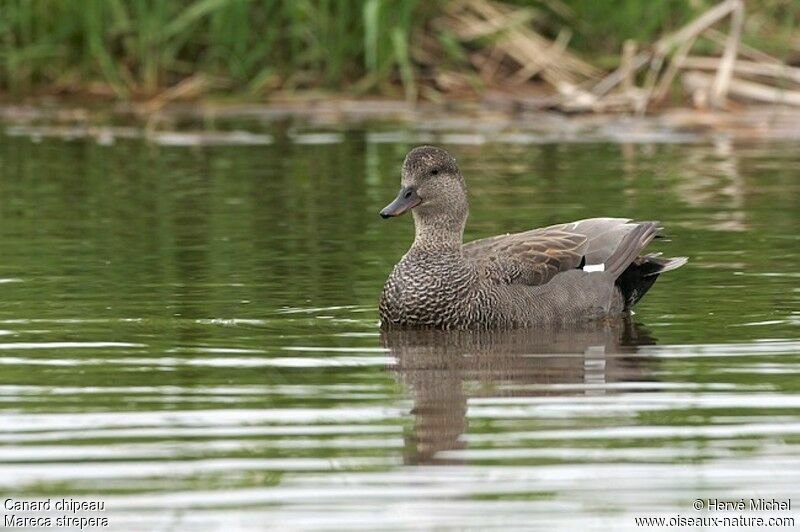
(540, 254)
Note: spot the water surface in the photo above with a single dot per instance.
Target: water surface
(188, 331)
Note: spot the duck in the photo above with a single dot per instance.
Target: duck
(590, 269)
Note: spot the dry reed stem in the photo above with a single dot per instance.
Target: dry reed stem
(723, 80)
(628, 70)
(605, 85)
(516, 44)
(699, 81)
(697, 26)
(187, 88)
(534, 54)
(673, 49)
(780, 71)
(718, 37)
(675, 64)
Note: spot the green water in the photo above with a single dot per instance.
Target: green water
(189, 334)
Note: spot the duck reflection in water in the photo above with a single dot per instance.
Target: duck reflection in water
(442, 370)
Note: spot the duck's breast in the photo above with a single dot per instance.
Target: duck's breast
(432, 290)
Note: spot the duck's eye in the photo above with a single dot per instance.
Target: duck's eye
(407, 194)
(435, 171)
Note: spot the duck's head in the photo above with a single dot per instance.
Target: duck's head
(432, 186)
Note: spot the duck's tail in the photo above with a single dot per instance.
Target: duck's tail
(640, 275)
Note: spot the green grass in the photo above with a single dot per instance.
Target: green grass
(137, 48)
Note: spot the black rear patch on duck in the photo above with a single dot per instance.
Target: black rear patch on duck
(640, 275)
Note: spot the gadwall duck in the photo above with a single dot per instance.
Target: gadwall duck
(584, 270)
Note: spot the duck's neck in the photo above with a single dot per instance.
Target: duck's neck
(438, 232)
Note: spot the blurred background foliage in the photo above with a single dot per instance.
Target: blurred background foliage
(250, 48)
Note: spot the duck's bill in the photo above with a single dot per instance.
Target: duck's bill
(406, 200)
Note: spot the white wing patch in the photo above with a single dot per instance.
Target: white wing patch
(595, 267)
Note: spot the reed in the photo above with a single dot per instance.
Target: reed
(139, 48)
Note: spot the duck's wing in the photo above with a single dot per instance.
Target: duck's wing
(534, 257)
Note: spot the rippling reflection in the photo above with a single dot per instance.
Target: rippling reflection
(443, 370)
